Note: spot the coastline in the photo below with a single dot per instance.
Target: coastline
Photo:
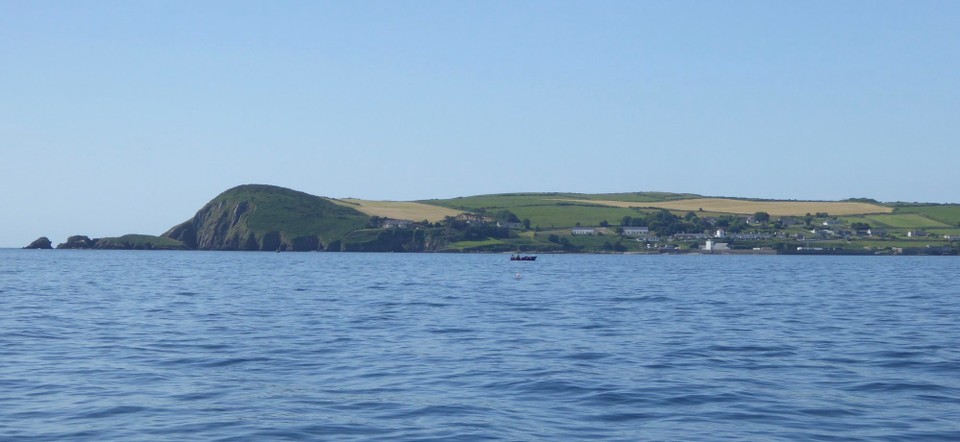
(919, 251)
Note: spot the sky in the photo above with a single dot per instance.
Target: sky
(127, 116)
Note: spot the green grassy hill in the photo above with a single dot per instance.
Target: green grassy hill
(261, 217)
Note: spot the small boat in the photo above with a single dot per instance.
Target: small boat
(518, 257)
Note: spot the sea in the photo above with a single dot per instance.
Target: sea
(252, 346)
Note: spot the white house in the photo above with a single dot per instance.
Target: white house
(508, 225)
(720, 234)
(635, 231)
(396, 223)
(583, 231)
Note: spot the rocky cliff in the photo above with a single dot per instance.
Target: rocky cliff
(261, 217)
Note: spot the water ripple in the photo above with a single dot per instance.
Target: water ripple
(246, 346)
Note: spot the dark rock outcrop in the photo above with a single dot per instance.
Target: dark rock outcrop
(126, 242)
(41, 243)
(138, 242)
(305, 244)
(78, 242)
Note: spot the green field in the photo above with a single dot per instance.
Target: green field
(636, 197)
(947, 213)
(903, 221)
(749, 207)
(549, 210)
(513, 200)
(570, 215)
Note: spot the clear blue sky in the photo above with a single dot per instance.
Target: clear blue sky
(127, 116)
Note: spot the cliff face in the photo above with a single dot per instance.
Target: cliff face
(260, 217)
(216, 226)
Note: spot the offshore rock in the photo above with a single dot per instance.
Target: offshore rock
(40, 243)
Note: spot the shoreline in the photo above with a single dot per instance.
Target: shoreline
(766, 252)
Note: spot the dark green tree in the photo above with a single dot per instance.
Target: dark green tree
(508, 216)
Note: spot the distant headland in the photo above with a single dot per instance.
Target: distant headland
(258, 217)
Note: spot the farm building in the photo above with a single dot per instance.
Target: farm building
(396, 223)
(635, 231)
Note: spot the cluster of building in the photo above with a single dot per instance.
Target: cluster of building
(826, 229)
(644, 234)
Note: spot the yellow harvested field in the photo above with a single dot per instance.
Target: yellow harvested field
(777, 208)
(399, 209)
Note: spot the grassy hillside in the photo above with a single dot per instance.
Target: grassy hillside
(548, 210)
(260, 217)
(294, 213)
(568, 209)
(399, 209)
(636, 197)
(749, 207)
(514, 200)
(903, 221)
(943, 219)
(945, 213)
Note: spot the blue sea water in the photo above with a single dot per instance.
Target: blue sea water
(125, 345)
